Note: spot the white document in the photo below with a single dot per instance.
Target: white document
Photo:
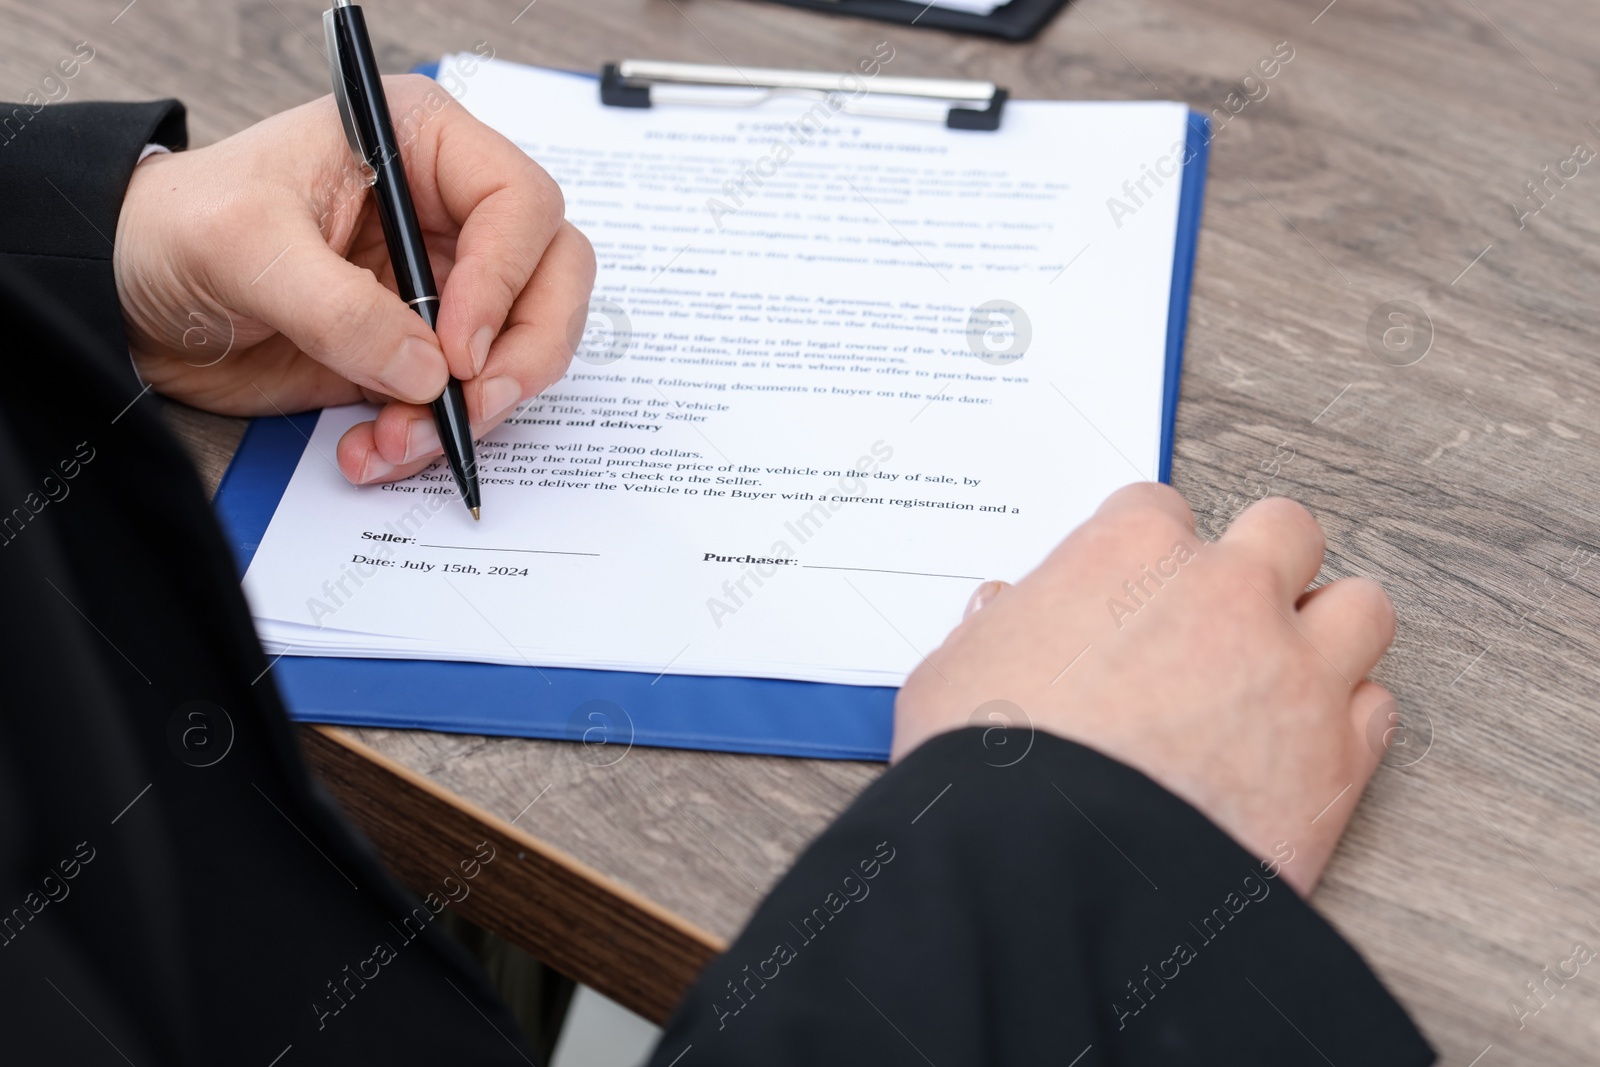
(837, 372)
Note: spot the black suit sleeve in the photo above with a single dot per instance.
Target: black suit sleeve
(63, 171)
(1062, 909)
(174, 887)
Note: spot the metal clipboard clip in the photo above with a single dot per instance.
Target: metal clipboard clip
(960, 105)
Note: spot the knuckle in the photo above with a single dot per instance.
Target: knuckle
(1291, 514)
(548, 193)
(1166, 496)
(487, 274)
(531, 201)
(583, 249)
(1372, 602)
(1141, 494)
(1156, 505)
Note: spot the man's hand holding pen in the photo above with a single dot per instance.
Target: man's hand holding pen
(254, 278)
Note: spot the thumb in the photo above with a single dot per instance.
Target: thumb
(340, 315)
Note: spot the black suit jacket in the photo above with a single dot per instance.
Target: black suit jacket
(162, 904)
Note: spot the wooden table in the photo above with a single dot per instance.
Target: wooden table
(1386, 162)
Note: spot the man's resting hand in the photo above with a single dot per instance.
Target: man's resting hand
(1209, 667)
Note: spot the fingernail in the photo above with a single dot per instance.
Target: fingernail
(373, 468)
(422, 439)
(499, 394)
(417, 373)
(981, 596)
(480, 348)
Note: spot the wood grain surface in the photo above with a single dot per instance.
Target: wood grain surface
(1386, 162)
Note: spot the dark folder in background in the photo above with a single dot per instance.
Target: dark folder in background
(1017, 21)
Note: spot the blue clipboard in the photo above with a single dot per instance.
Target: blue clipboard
(611, 710)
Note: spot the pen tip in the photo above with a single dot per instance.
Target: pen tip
(475, 516)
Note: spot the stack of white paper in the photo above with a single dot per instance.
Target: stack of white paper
(837, 371)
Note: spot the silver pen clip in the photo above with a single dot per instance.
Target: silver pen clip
(341, 94)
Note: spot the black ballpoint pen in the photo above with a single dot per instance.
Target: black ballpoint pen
(364, 110)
